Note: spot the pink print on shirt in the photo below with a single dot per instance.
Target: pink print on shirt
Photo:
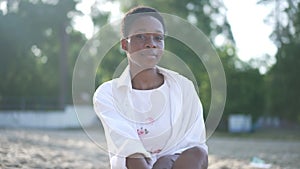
(150, 120)
(155, 151)
(142, 131)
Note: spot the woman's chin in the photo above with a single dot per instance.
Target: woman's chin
(146, 61)
(144, 65)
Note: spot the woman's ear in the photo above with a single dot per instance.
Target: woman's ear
(124, 44)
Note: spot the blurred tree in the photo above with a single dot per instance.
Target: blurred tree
(112, 59)
(245, 86)
(31, 45)
(283, 92)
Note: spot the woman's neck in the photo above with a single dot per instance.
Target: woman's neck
(145, 79)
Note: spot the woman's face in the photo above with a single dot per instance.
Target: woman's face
(145, 43)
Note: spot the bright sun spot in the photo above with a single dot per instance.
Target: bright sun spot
(251, 34)
(85, 24)
(3, 6)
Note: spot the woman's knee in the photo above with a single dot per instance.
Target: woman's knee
(165, 162)
(193, 158)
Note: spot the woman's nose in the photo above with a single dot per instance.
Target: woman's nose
(150, 43)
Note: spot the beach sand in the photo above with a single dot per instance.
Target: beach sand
(67, 149)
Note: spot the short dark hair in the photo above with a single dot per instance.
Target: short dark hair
(139, 11)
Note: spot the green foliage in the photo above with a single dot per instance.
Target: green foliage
(283, 79)
(245, 86)
(30, 38)
(284, 92)
(109, 65)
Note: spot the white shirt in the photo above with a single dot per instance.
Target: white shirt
(157, 124)
(176, 103)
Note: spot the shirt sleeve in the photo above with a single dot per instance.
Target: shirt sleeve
(197, 134)
(189, 128)
(122, 138)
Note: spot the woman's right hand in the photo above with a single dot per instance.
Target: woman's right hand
(138, 161)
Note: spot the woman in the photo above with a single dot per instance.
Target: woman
(152, 116)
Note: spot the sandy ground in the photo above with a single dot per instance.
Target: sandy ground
(58, 149)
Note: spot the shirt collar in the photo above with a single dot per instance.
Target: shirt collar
(125, 79)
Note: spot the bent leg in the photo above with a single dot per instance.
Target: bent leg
(165, 162)
(193, 158)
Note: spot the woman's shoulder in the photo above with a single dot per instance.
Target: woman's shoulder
(180, 79)
(104, 89)
(171, 74)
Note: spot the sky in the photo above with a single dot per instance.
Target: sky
(246, 18)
